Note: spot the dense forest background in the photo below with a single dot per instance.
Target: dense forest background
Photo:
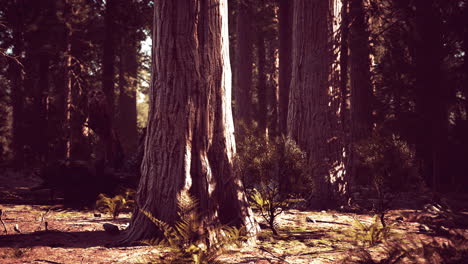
(322, 129)
(75, 76)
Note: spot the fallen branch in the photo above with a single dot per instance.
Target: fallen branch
(277, 257)
(48, 261)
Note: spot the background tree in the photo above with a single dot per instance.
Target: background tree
(360, 81)
(244, 60)
(312, 118)
(285, 42)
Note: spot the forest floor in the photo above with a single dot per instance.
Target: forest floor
(425, 234)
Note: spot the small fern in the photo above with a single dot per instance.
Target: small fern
(371, 234)
(115, 205)
(188, 241)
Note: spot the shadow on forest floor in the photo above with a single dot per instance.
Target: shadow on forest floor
(55, 239)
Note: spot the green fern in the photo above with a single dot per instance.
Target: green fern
(187, 240)
(371, 234)
(115, 205)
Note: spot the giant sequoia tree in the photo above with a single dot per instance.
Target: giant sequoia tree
(313, 115)
(189, 146)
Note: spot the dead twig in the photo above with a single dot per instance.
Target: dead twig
(4, 54)
(3, 223)
(42, 220)
(273, 255)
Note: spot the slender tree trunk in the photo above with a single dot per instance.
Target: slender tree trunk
(262, 86)
(190, 143)
(244, 61)
(361, 88)
(465, 49)
(285, 62)
(127, 109)
(17, 98)
(40, 107)
(312, 117)
(432, 96)
(16, 74)
(344, 57)
(102, 121)
(108, 60)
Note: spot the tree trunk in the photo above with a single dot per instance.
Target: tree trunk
(127, 109)
(313, 116)
(108, 60)
(17, 96)
(244, 59)
(262, 86)
(431, 95)
(190, 145)
(285, 62)
(361, 87)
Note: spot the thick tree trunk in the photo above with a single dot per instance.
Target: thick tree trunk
(431, 94)
(244, 60)
(190, 144)
(285, 62)
(361, 88)
(313, 118)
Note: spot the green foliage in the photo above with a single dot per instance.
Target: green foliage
(269, 203)
(389, 160)
(117, 204)
(370, 234)
(279, 162)
(188, 240)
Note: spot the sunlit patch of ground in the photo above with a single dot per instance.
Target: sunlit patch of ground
(304, 236)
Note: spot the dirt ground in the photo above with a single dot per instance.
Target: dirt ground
(304, 236)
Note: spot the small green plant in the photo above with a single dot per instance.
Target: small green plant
(370, 234)
(269, 203)
(188, 240)
(115, 205)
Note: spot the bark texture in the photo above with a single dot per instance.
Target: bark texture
(190, 143)
(313, 117)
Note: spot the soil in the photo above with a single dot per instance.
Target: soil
(36, 230)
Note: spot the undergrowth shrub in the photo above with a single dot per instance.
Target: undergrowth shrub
(389, 160)
(370, 234)
(117, 204)
(188, 241)
(274, 162)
